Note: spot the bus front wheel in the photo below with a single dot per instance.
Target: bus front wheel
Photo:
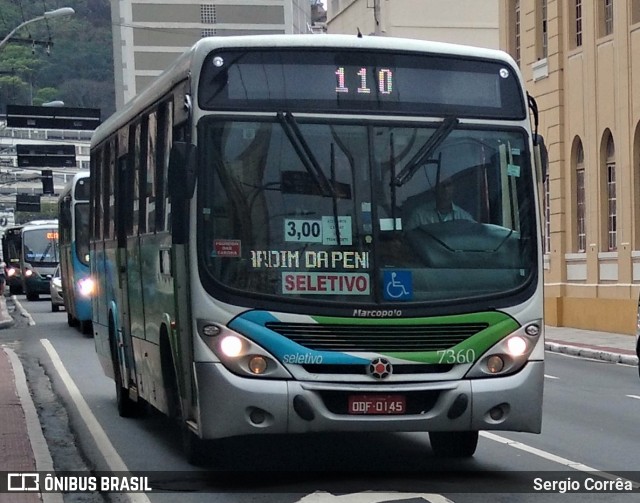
(453, 444)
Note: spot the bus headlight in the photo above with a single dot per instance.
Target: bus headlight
(86, 287)
(516, 346)
(508, 355)
(238, 353)
(28, 273)
(231, 346)
(11, 271)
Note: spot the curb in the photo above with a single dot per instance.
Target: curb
(596, 354)
(6, 320)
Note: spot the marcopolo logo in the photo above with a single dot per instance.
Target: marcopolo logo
(377, 313)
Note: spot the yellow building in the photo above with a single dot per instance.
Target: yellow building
(581, 61)
(469, 22)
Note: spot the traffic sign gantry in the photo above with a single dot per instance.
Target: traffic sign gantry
(28, 116)
(46, 155)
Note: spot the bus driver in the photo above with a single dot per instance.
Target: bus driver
(442, 209)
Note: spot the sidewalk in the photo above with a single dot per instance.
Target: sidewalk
(23, 447)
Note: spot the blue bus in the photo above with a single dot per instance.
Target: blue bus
(77, 285)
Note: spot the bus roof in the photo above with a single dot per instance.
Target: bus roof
(193, 58)
(39, 224)
(71, 183)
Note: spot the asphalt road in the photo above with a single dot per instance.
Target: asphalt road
(590, 411)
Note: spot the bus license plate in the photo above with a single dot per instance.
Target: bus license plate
(377, 404)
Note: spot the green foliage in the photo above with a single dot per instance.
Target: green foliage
(45, 95)
(80, 57)
(48, 211)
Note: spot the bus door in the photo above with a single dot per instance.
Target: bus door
(123, 220)
(134, 185)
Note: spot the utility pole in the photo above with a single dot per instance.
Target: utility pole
(376, 17)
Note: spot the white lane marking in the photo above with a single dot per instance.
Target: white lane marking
(552, 457)
(370, 497)
(634, 396)
(113, 459)
(39, 446)
(551, 377)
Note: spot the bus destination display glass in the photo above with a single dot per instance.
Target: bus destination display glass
(359, 81)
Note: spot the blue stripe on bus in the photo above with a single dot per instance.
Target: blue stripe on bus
(252, 325)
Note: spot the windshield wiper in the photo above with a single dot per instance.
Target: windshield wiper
(46, 250)
(300, 145)
(423, 154)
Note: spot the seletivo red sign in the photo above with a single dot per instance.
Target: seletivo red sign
(325, 283)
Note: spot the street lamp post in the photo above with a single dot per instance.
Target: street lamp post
(64, 11)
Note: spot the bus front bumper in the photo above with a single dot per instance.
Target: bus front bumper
(231, 405)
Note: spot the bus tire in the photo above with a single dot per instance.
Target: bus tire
(86, 327)
(126, 406)
(32, 296)
(71, 321)
(193, 447)
(453, 444)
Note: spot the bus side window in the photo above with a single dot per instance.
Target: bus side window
(150, 196)
(141, 191)
(165, 128)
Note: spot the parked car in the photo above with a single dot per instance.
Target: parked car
(55, 288)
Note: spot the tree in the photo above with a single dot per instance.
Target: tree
(17, 69)
(45, 95)
(81, 51)
(89, 94)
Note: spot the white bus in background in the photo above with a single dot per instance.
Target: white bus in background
(258, 265)
(39, 256)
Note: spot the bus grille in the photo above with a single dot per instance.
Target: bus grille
(377, 338)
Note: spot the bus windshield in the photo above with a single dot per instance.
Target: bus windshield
(41, 246)
(82, 232)
(356, 211)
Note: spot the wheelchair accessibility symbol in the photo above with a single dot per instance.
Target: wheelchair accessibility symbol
(398, 285)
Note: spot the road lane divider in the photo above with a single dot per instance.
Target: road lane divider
(554, 458)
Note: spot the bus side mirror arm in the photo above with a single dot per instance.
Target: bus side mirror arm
(541, 157)
(182, 170)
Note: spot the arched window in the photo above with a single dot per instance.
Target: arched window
(612, 216)
(581, 209)
(547, 217)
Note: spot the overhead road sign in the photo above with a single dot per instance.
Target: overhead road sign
(46, 155)
(27, 116)
(28, 202)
